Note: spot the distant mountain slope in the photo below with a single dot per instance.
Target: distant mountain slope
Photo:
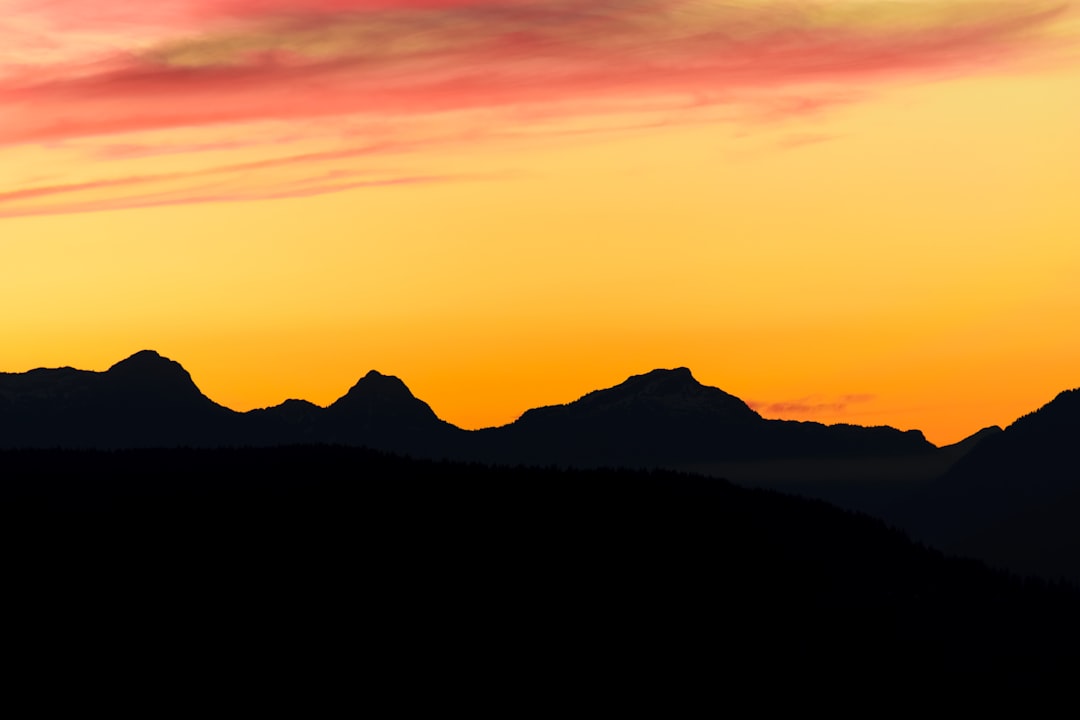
(1014, 499)
(865, 482)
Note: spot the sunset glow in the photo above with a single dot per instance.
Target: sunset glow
(838, 210)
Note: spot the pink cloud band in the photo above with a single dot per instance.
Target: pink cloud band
(212, 63)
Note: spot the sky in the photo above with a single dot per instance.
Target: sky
(859, 211)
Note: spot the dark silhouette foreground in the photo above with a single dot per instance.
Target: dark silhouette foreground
(465, 578)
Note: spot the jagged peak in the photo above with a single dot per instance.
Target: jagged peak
(383, 396)
(378, 388)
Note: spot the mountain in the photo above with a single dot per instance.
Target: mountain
(380, 411)
(668, 418)
(147, 400)
(1010, 497)
(1014, 499)
(660, 418)
(143, 401)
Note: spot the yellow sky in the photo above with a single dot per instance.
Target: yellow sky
(906, 256)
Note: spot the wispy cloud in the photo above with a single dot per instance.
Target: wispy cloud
(812, 405)
(76, 70)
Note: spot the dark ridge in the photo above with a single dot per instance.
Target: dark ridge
(291, 406)
(438, 573)
(380, 411)
(377, 392)
(151, 381)
(659, 418)
(975, 438)
(667, 418)
(1014, 499)
(672, 391)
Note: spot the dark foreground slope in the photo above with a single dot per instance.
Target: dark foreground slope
(408, 577)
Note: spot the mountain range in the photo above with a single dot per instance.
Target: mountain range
(662, 417)
(138, 514)
(1010, 497)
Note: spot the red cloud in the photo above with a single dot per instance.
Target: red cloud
(812, 405)
(220, 62)
(389, 62)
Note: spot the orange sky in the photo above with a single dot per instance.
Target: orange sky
(847, 211)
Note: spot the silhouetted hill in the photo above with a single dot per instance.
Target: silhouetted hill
(143, 401)
(665, 418)
(1014, 499)
(661, 393)
(435, 574)
(381, 412)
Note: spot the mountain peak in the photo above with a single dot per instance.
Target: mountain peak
(656, 396)
(374, 376)
(375, 383)
(377, 394)
(144, 359)
(679, 371)
(149, 380)
(664, 380)
(147, 365)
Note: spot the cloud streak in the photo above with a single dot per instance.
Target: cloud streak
(73, 71)
(811, 405)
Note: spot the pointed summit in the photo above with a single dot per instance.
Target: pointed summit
(149, 380)
(146, 364)
(378, 388)
(143, 357)
(378, 398)
(380, 411)
(660, 395)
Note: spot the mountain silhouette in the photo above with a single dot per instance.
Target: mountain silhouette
(660, 418)
(143, 401)
(381, 412)
(1014, 499)
(669, 394)
(1010, 497)
(668, 418)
